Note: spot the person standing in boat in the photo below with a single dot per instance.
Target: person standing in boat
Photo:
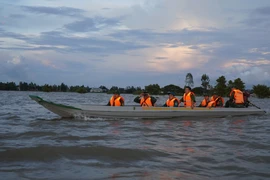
(116, 100)
(145, 99)
(172, 101)
(216, 101)
(205, 101)
(188, 98)
(236, 98)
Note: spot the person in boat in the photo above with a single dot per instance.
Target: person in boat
(216, 101)
(116, 100)
(205, 101)
(236, 98)
(172, 101)
(188, 98)
(246, 95)
(145, 99)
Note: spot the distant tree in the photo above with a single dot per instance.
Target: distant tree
(173, 88)
(239, 84)
(220, 87)
(47, 88)
(23, 86)
(81, 90)
(64, 87)
(138, 90)
(113, 89)
(11, 86)
(2, 86)
(153, 89)
(104, 89)
(205, 81)
(262, 91)
(55, 88)
(229, 85)
(189, 80)
(130, 89)
(198, 90)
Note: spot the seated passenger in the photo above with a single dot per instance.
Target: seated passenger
(205, 101)
(172, 101)
(246, 96)
(188, 98)
(236, 99)
(216, 101)
(145, 99)
(116, 100)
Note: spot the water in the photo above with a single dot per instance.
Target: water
(37, 144)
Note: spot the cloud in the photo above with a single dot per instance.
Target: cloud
(265, 11)
(62, 11)
(259, 17)
(92, 24)
(84, 44)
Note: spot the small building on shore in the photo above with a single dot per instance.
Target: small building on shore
(96, 90)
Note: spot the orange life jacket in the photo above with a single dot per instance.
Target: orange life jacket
(204, 103)
(213, 101)
(146, 102)
(170, 103)
(238, 96)
(187, 99)
(116, 102)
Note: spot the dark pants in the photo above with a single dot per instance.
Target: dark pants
(233, 105)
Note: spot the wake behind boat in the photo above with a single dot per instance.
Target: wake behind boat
(142, 112)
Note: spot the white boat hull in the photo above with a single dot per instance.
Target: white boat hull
(143, 112)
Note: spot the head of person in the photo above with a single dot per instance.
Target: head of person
(206, 96)
(215, 94)
(116, 94)
(232, 87)
(145, 94)
(187, 89)
(171, 95)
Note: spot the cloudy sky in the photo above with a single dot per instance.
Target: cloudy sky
(134, 42)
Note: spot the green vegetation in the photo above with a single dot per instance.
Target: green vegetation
(221, 87)
(262, 91)
(205, 82)
(176, 89)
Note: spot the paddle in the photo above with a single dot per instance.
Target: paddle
(255, 105)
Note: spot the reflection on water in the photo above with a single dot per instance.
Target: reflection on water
(37, 144)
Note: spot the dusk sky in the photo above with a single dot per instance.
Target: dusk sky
(134, 42)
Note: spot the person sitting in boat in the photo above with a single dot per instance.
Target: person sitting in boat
(172, 101)
(216, 101)
(205, 101)
(116, 100)
(145, 99)
(236, 98)
(188, 98)
(246, 95)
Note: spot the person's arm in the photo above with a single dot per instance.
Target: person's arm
(122, 101)
(193, 100)
(232, 97)
(181, 100)
(137, 99)
(176, 103)
(109, 103)
(153, 100)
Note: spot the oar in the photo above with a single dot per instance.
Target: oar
(255, 106)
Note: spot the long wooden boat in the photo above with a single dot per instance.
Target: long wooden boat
(142, 112)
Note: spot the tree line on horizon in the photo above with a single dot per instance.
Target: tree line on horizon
(222, 87)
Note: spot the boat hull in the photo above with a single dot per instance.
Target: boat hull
(143, 112)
